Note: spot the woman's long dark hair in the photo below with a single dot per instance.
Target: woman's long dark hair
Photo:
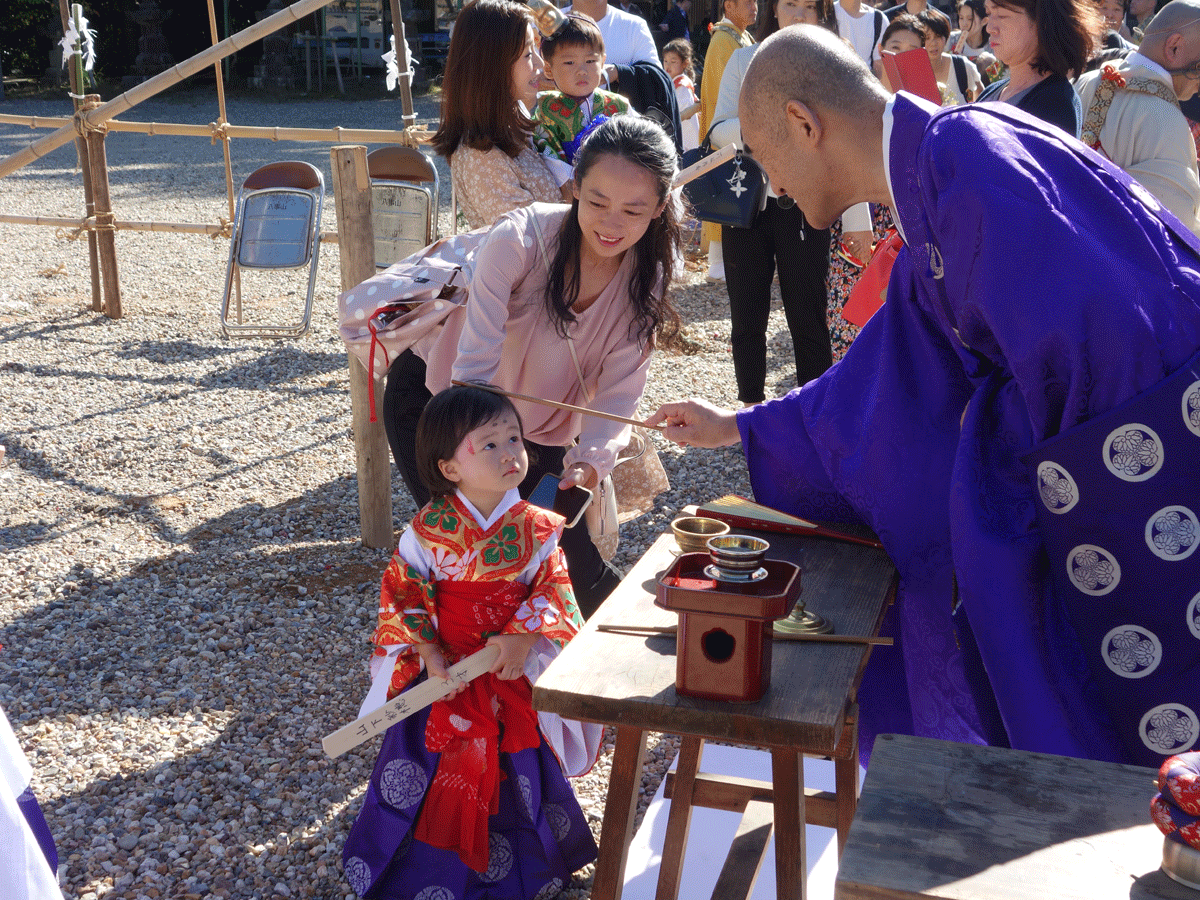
(478, 106)
(645, 144)
(768, 23)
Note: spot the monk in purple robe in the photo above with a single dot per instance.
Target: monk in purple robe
(1019, 423)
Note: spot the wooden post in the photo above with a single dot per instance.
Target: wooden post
(356, 244)
(86, 170)
(105, 233)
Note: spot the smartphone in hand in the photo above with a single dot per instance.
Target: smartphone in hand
(570, 504)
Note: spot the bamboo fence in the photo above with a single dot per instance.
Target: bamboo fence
(93, 119)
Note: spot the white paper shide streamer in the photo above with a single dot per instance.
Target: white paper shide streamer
(393, 70)
(71, 37)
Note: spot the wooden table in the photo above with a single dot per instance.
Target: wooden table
(628, 680)
(939, 819)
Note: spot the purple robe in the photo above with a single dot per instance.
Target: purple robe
(1037, 290)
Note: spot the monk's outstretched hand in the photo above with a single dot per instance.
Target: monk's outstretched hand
(697, 423)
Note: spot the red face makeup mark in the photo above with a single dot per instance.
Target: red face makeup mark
(470, 447)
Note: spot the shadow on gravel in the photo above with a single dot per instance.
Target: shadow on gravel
(188, 693)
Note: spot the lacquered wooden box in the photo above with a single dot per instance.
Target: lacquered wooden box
(723, 647)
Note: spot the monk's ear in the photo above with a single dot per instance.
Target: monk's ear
(803, 123)
(1173, 49)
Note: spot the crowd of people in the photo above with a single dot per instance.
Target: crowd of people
(1019, 422)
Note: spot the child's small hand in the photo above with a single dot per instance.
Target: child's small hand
(435, 665)
(514, 648)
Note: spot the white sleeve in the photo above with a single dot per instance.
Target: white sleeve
(857, 218)
(726, 127)
(641, 43)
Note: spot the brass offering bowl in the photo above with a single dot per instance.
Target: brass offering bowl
(693, 532)
(737, 557)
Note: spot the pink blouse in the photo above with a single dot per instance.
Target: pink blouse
(503, 336)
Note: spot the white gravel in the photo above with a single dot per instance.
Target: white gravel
(186, 606)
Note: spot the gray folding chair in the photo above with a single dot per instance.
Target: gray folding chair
(277, 225)
(404, 202)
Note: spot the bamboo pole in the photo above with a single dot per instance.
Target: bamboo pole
(160, 82)
(327, 237)
(264, 132)
(356, 244)
(105, 235)
(408, 116)
(85, 168)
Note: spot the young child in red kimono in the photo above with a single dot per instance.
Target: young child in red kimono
(467, 796)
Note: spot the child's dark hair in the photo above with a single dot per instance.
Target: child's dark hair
(578, 31)
(682, 48)
(905, 22)
(449, 417)
(643, 142)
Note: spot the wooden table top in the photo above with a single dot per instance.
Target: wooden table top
(629, 679)
(939, 819)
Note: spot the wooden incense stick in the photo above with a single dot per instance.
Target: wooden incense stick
(615, 628)
(583, 410)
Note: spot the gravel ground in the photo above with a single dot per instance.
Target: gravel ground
(186, 603)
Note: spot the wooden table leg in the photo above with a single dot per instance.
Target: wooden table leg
(845, 774)
(791, 867)
(620, 807)
(680, 818)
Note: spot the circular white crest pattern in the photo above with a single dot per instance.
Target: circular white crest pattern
(1193, 616)
(1131, 651)
(1133, 452)
(436, 892)
(1191, 407)
(1173, 533)
(402, 783)
(551, 889)
(459, 723)
(358, 873)
(560, 822)
(526, 795)
(1093, 569)
(500, 858)
(1057, 488)
(1169, 729)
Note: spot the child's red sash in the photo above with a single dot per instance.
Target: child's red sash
(466, 729)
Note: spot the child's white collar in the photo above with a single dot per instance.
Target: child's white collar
(509, 500)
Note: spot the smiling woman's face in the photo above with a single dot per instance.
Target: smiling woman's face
(617, 200)
(527, 73)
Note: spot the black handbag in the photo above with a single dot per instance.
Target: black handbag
(731, 194)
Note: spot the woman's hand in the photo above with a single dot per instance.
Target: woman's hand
(514, 648)
(435, 665)
(580, 475)
(698, 423)
(858, 243)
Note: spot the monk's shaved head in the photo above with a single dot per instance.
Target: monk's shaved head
(1176, 16)
(814, 66)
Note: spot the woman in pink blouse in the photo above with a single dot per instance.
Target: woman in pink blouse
(486, 130)
(593, 276)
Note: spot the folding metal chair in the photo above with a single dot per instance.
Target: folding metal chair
(404, 202)
(277, 225)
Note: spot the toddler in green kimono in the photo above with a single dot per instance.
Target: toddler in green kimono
(575, 60)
